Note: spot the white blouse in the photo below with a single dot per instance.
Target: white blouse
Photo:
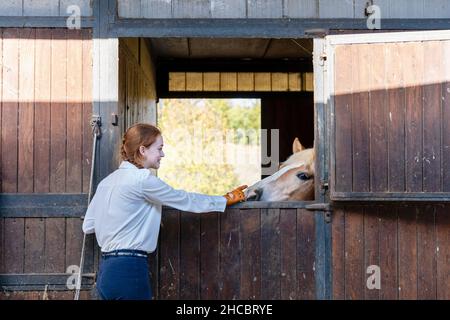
(125, 212)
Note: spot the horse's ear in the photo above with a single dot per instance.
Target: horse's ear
(297, 146)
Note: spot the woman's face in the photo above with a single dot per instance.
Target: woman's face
(152, 155)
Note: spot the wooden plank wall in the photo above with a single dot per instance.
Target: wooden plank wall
(237, 9)
(240, 81)
(240, 254)
(410, 244)
(46, 109)
(46, 143)
(392, 117)
(137, 90)
(43, 7)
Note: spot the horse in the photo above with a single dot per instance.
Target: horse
(294, 180)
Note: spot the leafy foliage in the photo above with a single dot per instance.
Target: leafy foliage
(195, 132)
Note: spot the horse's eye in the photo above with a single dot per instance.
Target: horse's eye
(303, 176)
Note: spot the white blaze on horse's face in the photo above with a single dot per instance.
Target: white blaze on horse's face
(293, 182)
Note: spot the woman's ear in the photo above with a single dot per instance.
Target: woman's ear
(142, 150)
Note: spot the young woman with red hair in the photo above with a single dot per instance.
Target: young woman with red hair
(125, 214)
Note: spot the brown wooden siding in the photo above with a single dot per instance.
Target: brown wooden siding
(409, 244)
(391, 118)
(240, 254)
(46, 145)
(44, 245)
(46, 105)
(137, 93)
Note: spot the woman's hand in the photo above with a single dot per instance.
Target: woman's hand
(236, 195)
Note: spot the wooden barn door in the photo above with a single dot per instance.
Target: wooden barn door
(45, 159)
(389, 101)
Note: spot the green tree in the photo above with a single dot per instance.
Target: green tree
(192, 131)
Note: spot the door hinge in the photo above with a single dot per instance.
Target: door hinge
(325, 207)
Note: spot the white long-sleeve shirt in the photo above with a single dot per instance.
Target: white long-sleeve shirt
(125, 212)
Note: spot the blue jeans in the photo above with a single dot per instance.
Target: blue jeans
(124, 278)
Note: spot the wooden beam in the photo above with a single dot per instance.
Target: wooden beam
(42, 205)
(42, 22)
(39, 281)
(259, 28)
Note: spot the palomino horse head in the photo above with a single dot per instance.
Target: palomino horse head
(294, 181)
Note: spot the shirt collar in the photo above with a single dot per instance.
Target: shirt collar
(127, 165)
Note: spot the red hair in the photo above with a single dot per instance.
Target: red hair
(140, 134)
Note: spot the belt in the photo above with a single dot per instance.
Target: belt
(125, 252)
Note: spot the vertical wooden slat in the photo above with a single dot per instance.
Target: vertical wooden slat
(26, 106)
(413, 71)
(343, 106)
(426, 253)
(288, 251)
(360, 114)
(2, 245)
(129, 101)
(264, 9)
(377, 109)
(211, 81)
(295, 81)
(338, 253)
(1, 107)
(153, 262)
(160, 9)
(10, 109)
(270, 254)
(177, 81)
(11, 8)
(279, 81)
(335, 9)
(34, 254)
(300, 9)
(189, 256)
(230, 252)
(306, 248)
(396, 117)
(432, 97)
(58, 112)
(443, 252)
(388, 253)
(263, 81)
(194, 81)
(42, 111)
(14, 242)
(129, 9)
(407, 253)
(371, 248)
(191, 9)
(446, 117)
(169, 249)
(251, 254)
(74, 111)
(224, 9)
(209, 256)
(228, 81)
(354, 254)
(74, 241)
(245, 81)
(87, 107)
(55, 245)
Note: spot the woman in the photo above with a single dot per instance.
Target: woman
(125, 214)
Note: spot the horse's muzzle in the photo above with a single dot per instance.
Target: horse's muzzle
(256, 196)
